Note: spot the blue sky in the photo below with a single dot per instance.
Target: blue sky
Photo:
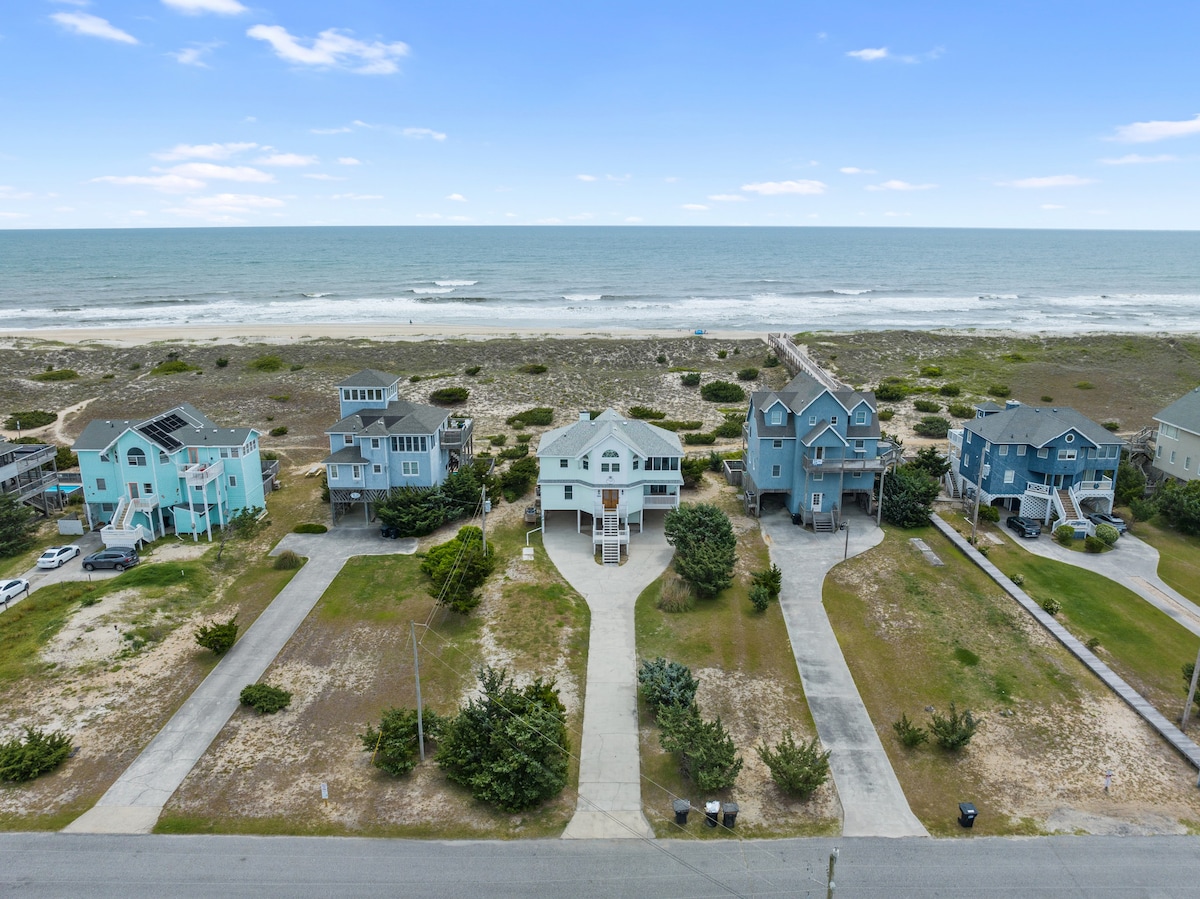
(161, 113)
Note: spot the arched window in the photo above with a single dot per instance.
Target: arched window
(136, 457)
(611, 454)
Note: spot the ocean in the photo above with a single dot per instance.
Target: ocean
(752, 279)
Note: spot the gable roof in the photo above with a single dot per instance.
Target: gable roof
(1037, 426)
(399, 417)
(1184, 413)
(370, 377)
(182, 426)
(578, 438)
(799, 394)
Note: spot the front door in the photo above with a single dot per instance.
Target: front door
(133, 490)
(610, 498)
(817, 500)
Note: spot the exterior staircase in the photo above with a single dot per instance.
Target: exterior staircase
(1070, 512)
(610, 545)
(823, 523)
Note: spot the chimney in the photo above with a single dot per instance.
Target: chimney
(585, 415)
(1011, 404)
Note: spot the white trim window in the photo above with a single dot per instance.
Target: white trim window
(233, 480)
(776, 471)
(777, 444)
(410, 469)
(776, 416)
(1010, 477)
(568, 492)
(1021, 450)
(1044, 453)
(1067, 455)
(377, 468)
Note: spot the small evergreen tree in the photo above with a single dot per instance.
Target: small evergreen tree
(218, 636)
(458, 568)
(24, 758)
(265, 699)
(911, 735)
(705, 546)
(930, 461)
(953, 731)
(16, 526)
(707, 754)
(797, 768)
(1130, 485)
(908, 496)
(666, 684)
(395, 747)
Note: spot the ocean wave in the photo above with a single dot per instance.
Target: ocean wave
(432, 290)
(455, 283)
(582, 297)
(316, 296)
(451, 300)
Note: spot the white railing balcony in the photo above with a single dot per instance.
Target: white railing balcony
(145, 503)
(955, 437)
(1093, 488)
(852, 463)
(111, 535)
(660, 501)
(599, 510)
(457, 433)
(621, 537)
(201, 473)
(1039, 489)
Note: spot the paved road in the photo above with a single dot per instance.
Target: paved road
(134, 802)
(149, 867)
(872, 802)
(610, 793)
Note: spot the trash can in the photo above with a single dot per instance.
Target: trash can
(729, 818)
(966, 814)
(797, 519)
(682, 807)
(711, 810)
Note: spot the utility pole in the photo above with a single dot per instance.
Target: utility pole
(483, 517)
(833, 857)
(420, 709)
(1187, 709)
(846, 551)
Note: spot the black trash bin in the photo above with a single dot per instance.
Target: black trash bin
(729, 818)
(682, 807)
(966, 814)
(711, 810)
(797, 518)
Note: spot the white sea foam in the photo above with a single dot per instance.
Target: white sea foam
(432, 290)
(316, 296)
(455, 283)
(582, 297)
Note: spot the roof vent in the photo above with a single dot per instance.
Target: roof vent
(1011, 404)
(585, 415)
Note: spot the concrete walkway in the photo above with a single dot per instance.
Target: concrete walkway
(610, 792)
(1172, 734)
(134, 802)
(873, 805)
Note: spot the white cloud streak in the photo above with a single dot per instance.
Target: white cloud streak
(419, 133)
(92, 26)
(1049, 181)
(289, 160)
(776, 188)
(1147, 132)
(1136, 159)
(168, 183)
(895, 184)
(855, 170)
(586, 177)
(727, 198)
(869, 55)
(212, 171)
(348, 160)
(194, 55)
(694, 207)
(332, 49)
(204, 151)
(457, 198)
(199, 7)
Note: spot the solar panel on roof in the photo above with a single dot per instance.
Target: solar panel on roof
(159, 430)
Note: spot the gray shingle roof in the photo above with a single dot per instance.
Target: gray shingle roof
(370, 377)
(196, 430)
(1037, 426)
(1184, 413)
(576, 439)
(346, 456)
(400, 417)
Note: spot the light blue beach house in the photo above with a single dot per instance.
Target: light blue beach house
(613, 469)
(817, 445)
(1040, 462)
(177, 471)
(383, 443)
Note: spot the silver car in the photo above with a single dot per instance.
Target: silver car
(57, 556)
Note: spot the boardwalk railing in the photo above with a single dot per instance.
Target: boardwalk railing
(797, 361)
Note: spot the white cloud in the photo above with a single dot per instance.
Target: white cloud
(727, 198)
(235, 202)
(1049, 181)
(194, 55)
(672, 179)
(900, 185)
(419, 133)
(169, 184)
(321, 176)
(332, 49)
(204, 151)
(356, 197)
(197, 7)
(209, 170)
(586, 177)
(1051, 206)
(869, 55)
(633, 220)
(458, 198)
(290, 160)
(1137, 159)
(345, 129)
(14, 215)
(694, 207)
(774, 188)
(348, 160)
(1146, 132)
(92, 26)
(619, 178)
(855, 170)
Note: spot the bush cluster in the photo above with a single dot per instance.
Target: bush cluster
(288, 561)
(265, 699)
(56, 374)
(1094, 544)
(1107, 534)
(749, 373)
(458, 568)
(765, 586)
(266, 363)
(961, 410)
(676, 595)
(949, 390)
(34, 754)
(516, 451)
(722, 392)
(519, 478)
(891, 390)
(797, 768)
(539, 416)
(35, 418)
(218, 636)
(394, 747)
(309, 527)
(672, 425)
(666, 684)
(1051, 606)
(533, 368)
(887, 414)
(1064, 534)
(449, 396)
(645, 413)
(417, 511)
(932, 426)
(926, 406)
(690, 379)
(999, 390)
(705, 546)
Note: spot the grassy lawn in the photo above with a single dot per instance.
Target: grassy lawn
(748, 676)
(915, 635)
(1178, 555)
(1140, 643)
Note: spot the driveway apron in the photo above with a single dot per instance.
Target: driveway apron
(873, 805)
(134, 802)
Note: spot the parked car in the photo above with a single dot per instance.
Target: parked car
(1024, 527)
(11, 589)
(57, 556)
(116, 557)
(1105, 518)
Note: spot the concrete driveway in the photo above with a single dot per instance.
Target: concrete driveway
(873, 804)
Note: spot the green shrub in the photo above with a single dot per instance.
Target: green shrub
(1111, 425)
(172, 367)
(533, 368)
(931, 371)
(707, 755)
(716, 463)
(519, 478)
(498, 439)
(134, 366)
(911, 735)
(265, 699)
(961, 410)
(281, 397)
(222, 362)
(645, 413)
(760, 597)
(1093, 643)
(953, 731)
(932, 426)
(472, 370)
(1051, 606)
(414, 379)
(266, 363)
(887, 414)
(279, 431)
(524, 438)
(218, 636)
(59, 374)
(288, 560)
(989, 513)
(458, 568)
(926, 406)
(449, 396)
(670, 425)
(730, 427)
(676, 595)
(690, 379)
(1107, 534)
(296, 367)
(721, 354)
(722, 392)
(699, 439)
(31, 756)
(891, 390)
(1018, 579)
(692, 470)
(666, 684)
(770, 579)
(1046, 398)
(949, 390)
(518, 451)
(1000, 390)
(705, 546)
(661, 359)
(747, 374)
(1143, 509)
(771, 361)
(1085, 385)
(33, 419)
(908, 496)
(1093, 544)
(395, 748)
(797, 768)
(536, 417)
(309, 527)
(1064, 534)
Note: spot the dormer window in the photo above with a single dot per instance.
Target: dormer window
(136, 458)
(776, 416)
(348, 439)
(860, 417)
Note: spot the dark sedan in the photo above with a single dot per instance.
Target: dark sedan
(115, 557)
(1024, 527)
